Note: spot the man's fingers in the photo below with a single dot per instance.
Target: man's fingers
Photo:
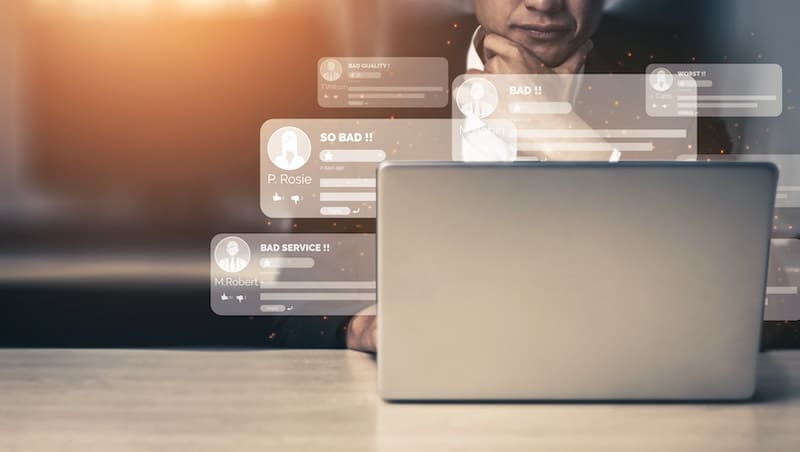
(499, 46)
(574, 63)
(361, 333)
(496, 66)
(504, 56)
(494, 45)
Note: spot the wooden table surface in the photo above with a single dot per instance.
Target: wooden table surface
(289, 400)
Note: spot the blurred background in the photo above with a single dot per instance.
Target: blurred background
(129, 138)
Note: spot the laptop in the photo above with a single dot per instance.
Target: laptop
(571, 281)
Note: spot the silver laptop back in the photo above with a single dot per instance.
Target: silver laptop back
(574, 281)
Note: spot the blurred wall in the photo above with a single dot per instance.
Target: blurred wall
(9, 105)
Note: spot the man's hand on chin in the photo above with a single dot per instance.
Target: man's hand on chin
(361, 333)
(504, 56)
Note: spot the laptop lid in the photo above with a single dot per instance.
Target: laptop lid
(571, 280)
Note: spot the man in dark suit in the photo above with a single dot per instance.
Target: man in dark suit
(517, 37)
(559, 37)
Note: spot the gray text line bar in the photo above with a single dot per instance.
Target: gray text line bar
(347, 183)
(387, 89)
(599, 146)
(347, 197)
(748, 105)
(387, 96)
(318, 285)
(294, 296)
(742, 98)
(776, 290)
(602, 133)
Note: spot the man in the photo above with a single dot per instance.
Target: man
(516, 37)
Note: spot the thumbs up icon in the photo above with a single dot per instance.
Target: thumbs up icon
(276, 197)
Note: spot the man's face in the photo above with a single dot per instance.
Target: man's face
(552, 30)
(232, 248)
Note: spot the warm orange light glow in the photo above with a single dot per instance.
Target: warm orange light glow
(143, 7)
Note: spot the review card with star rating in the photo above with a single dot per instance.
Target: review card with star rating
(558, 117)
(292, 274)
(715, 90)
(325, 168)
(382, 82)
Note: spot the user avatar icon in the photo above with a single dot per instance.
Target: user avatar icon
(661, 79)
(232, 255)
(477, 98)
(331, 70)
(289, 148)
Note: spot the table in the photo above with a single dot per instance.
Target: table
(291, 400)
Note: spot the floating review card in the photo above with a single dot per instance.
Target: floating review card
(334, 274)
(382, 83)
(292, 274)
(563, 117)
(723, 90)
(326, 168)
(783, 300)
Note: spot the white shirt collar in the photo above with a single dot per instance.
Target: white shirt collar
(474, 60)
